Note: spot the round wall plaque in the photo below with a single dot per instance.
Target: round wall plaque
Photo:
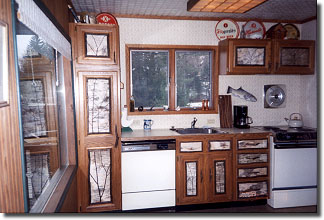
(105, 18)
(292, 32)
(227, 28)
(254, 30)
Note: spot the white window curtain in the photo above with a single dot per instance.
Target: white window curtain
(33, 17)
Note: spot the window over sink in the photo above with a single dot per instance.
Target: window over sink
(169, 79)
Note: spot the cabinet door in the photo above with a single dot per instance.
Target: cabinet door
(96, 44)
(249, 56)
(219, 183)
(190, 179)
(99, 177)
(294, 57)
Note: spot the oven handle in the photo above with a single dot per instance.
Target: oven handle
(295, 145)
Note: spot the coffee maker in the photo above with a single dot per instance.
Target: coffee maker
(241, 118)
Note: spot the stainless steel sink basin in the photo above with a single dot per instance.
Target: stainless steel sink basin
(198, 131)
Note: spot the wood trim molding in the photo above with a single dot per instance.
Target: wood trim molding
(210, 18)
(56, 200)
(172, 92)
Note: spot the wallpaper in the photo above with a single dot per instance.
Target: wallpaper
(192, 32)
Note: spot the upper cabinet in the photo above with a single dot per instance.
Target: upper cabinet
(294, 56)
(249, 56)
(97, 44)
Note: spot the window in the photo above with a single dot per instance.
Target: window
(173, 77)
(44, 97)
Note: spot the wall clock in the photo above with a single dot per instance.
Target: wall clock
(274, 96)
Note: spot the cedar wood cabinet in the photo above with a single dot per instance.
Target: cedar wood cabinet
(204, 169)
(95, 50)
(252, 56)
(222, 168)
(251, 167)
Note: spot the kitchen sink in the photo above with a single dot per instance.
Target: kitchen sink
(198, 131)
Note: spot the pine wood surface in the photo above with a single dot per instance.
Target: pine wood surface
(11, 193)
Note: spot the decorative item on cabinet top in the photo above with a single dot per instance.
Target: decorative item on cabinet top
(292, 32)
(253, 30)
(227, 28)
(276, 32)
(106, 18)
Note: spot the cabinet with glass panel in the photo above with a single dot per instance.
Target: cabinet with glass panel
(204, 169)
(97, 85)
(251, 56)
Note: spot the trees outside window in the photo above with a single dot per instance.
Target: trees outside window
(173, 76)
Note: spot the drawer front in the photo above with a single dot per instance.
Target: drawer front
(252, 144)
(252, 158)
(252, 189)
(252, 172)
(191, 146)
(219, 145)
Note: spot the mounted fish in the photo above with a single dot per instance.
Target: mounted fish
(242, 94)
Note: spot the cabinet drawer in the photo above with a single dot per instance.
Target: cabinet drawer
(252, 172)
(252, 189)
(191, 146)
(252, 158)
(252, 144)
(219, 145)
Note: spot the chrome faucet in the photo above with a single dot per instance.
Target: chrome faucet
(193, 122)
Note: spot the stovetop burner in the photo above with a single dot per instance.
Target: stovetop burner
(287, 134)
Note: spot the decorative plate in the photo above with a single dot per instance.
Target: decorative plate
(105, 18)
(227, 28)
(254, 30)
(292, 31)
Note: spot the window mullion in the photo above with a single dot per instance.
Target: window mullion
(172, 85)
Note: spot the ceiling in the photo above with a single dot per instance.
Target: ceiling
(271, 10)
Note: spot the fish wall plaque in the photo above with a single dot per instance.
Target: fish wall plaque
(242, 94)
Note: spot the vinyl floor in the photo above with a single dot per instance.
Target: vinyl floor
(232, 208)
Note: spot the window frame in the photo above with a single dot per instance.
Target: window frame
(213, 108)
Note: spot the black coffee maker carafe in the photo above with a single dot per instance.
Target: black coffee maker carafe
(241, 118)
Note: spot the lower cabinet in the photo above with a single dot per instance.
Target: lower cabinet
(251, 167)
(222, 168)
(204, 172)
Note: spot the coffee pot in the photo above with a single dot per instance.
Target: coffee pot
(241, 118)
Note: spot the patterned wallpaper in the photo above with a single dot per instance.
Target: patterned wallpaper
(187, 32)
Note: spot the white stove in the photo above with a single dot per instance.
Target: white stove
(293, 171)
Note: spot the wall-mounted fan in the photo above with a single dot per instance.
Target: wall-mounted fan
(274, 96)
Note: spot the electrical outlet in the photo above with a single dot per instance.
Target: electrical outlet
(210, 121)
(136, 122)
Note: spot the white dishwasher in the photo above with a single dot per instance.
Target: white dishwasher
(148, 174)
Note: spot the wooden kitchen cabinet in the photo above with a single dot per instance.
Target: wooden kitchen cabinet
(254, 56)
(294, 57)
(96, 44)
(251, 167)
(243, 56)
(97, 101)
(189, 180)
(204, 169)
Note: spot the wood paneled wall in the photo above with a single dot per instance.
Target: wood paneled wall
(60, 10)
(11, 185)
(11, 182)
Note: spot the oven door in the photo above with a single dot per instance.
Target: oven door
(294, 166)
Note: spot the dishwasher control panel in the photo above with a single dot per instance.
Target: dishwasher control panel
(152, 145)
